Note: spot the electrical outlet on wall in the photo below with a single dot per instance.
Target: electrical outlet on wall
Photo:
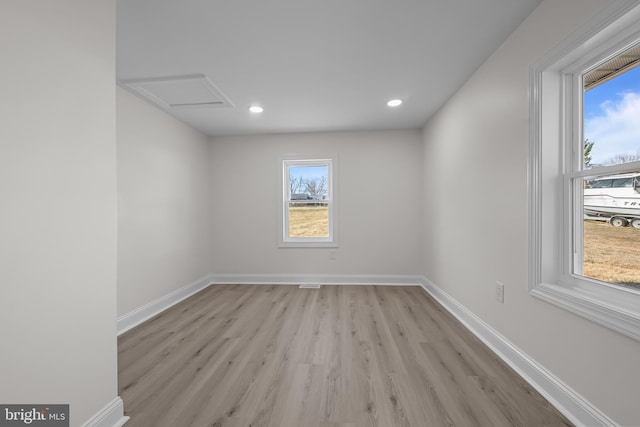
(500, 292)
(332, 254)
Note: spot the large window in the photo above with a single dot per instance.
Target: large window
(585, 171)
(307, 213)
(607, 239)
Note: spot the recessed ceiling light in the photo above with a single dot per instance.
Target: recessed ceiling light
(394, 102)
(256, 109)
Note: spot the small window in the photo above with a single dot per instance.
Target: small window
(307, 213)
(623, 183)
(601, 183)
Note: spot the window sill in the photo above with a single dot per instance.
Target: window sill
(615, 309)
(307, 244)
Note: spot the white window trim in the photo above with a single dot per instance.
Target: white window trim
(308, 242)
(550, 224)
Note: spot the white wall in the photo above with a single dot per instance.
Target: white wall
(58, 204)
(164, 203)
(475, 166)
(380, 187)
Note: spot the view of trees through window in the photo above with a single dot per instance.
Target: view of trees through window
(611, 197)
(308, 204)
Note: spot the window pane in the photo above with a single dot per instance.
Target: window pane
(308, 205)
(308, 182)
(612, 111)
(308, 219)
(611, 228)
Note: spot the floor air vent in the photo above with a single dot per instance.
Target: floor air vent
(309, 286)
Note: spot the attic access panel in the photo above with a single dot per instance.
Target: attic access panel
(179, 92)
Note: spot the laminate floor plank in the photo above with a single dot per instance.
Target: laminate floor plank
(338, 356)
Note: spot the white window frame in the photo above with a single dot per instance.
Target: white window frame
(555, 151)
(284, 240)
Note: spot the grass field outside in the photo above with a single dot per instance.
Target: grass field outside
(308, 221)
(612, 254)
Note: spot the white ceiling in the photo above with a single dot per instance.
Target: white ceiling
(325, 65)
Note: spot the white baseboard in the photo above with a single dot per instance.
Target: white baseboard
(147, 311)
(320, 279)
(573, 406)
(111, 415)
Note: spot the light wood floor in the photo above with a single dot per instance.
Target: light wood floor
(339, 356)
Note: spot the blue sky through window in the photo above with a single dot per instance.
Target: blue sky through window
(612, 117)
(308, 172)
(310, 180)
